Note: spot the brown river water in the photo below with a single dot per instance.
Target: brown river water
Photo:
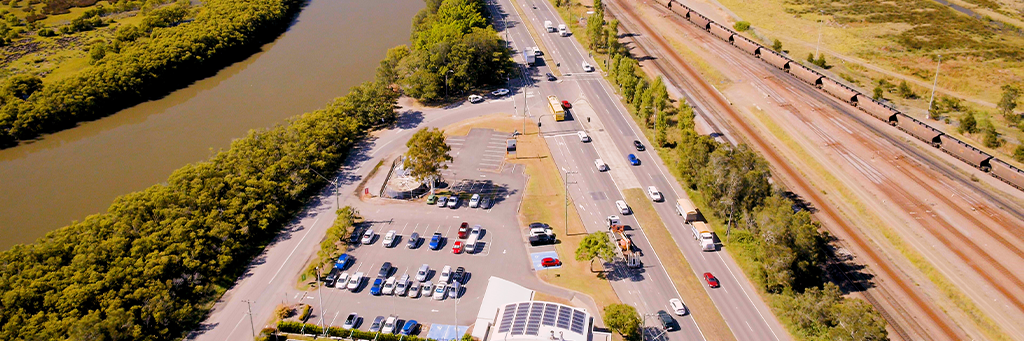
(63, 177)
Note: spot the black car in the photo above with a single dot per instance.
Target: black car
(458, 274)
(639, 146)
(551, 77)
(666, 320)
(542, 239)
(385, 270)
(332, 277)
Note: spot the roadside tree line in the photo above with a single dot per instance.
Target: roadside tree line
(780, 246)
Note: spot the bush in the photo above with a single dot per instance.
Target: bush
(46, 32)
(741, 26)
(777, 45)
(968, 124)
(283, 312)
(905, 91)
(306, 311)
(1018, 153)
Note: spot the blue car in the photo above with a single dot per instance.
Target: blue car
(375, 289)
(409, 327)
(435, 241)
(633, 160)
(342, 262)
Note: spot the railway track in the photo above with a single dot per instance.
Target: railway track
(945, 326)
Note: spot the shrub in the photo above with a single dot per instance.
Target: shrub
(46, 32)
(777, 45)
(968, 124)
(1018, 153)
(905, 91)
(741, 26)
(306, 311)
(283, 312)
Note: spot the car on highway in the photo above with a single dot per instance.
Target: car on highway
(601, 166)
(414, 290)
(537, 51)
(712, 281)
(350, 321)
(655, 194)
(367, 237)
(549, 261)
(475, 98)
(666, 320)
(633, 160)
(453, 291)
(587, 67)
(453, 201)
(402, 286)
(421, 274)
(375, 289)
(442, 200)
(390, 238)
(377, 323)
(677, 306)
(385, 270)
(409, 327)
(639, 146)
(621, 205)
(551, 78)
(435, 241)
(458, 275)
(457, 247)
(431, 199)
(485, 203)
(583, 136)
(389, 286)
(414, 240)
(499, 92)
(446, 275)
(389, 325)
(354, 281)
(474, 201)
(566, 105)
(464, 230)
(439, 291)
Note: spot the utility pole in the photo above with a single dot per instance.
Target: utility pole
(251, 325)
(320, 296)
(934, 83)
(566, 181)
(337, 195)
(819, 33)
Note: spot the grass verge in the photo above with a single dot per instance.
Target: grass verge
(683, 278)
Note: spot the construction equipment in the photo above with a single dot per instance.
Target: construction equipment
(626, 248)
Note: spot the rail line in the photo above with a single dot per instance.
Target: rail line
(793, 178)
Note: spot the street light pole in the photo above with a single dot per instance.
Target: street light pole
(566, 181)
(934, 83)
(819, 33)
(320, 296)
(337, 195)
(251, 325)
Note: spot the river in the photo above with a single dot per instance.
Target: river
(331, 46)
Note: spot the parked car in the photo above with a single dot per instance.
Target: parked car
(414, 240)
(499, 92)
(458, 275)
(331, 277)
(566, 105)
(354, 281)
(390, 238)
(342, 281)
(474, 201)
(409, 327)
(485, 203)
(367, 237)
(446, 275)
(375, 289)
(633, 160)
(475, 231)
(350, 321)
(414, 290)
(655, 194)
(385, 270)
(666, 320)
(389, 325)
(377, 323)
(475, 98)
(402, 286)
(583, 136)
(343, 261)
(440, 291)
(427, 288)
(464, 230)
(542, 239)
(431, 199)
(457, 247)
(551, 78)
(421, 274)
(442, 201)
(548, 262)
(712, 281)
(453, 291)
(435, 241)
(389, 286)
(453, 201)
(677, 306)
(639, 146)
(621, 205)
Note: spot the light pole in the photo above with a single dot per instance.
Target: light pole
(251, 325)
(934, 83)
(320, 296)
(566, 181)
(446, 86)
(819, 33)
(337, 195)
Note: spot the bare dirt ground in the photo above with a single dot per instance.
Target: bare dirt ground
(955, 244)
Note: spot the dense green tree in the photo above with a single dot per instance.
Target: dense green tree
(21, 86)
(741, 26)
(856, 320)
(777, 45)
(1018, 153)
(371, 102)
(623, 319)
(879, 93)
(968, 124)
(905, 91)
(594, 246)
(1008, 102)
(427, 154)
(595, 31)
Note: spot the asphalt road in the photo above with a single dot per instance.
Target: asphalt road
(745, 313)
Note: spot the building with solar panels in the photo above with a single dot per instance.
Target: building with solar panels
(508, 312)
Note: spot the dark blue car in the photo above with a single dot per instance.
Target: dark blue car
(375, 289)
(343, 261)
(409, 327)
(435, 241)
(633, 160)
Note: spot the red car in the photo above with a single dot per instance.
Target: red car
(546, 262)
(566, 104)
(457, 248)
(464, 230)
(712, 281)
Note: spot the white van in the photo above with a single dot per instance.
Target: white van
(583, 136)
(563, 30)
(621, 205)
(548, 26)
(474, 236)
(601, 166)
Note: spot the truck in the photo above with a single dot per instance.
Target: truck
(563, 30)
(698, 225)
(531, 56)
(548, 26)
(625, 245)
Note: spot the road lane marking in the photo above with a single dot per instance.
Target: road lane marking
(310, 228)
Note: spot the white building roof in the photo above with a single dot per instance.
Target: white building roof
(498, 293)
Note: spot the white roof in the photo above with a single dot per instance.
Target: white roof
(498, 293)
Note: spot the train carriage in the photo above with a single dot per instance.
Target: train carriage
(805, 74)
(721, 32)
(965, 152)
(1010, 174)
(835, 89)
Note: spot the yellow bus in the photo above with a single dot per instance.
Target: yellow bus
(556, 108)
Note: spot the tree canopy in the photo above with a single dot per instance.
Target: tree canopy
(623, 319)
(427, 154)
(593, 246)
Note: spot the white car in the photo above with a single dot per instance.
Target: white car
(474, 201)
(421, 274)
(536, 51)
(601, 166)
(446, 275)
(353, 282)
(453, 291)
(389, 286)
(499, 92)
(402, 286)
(350, 321)
(426, 288)
(621, 205)
(655, 194)
(583, 136)
(389, 325)
(586, 67)
(389, 239)
(475, 98)
(440, 291)
(453, 201)
(367, 237)
(677, 306)
(341, 281)
(414, 291)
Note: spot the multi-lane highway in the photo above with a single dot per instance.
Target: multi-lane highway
(595, 192)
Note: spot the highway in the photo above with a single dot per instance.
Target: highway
(595, 192)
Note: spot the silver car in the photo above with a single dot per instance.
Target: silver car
(367, 237)
(421, 274)
(453, 201)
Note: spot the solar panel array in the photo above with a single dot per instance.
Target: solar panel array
(526, 318)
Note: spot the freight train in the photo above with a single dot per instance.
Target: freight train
(951, 145)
